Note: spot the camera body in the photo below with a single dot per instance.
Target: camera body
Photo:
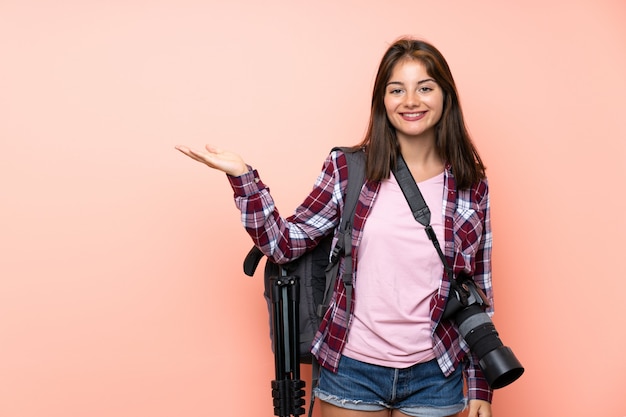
(466, 306)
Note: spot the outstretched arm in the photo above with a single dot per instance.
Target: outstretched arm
(216, 158)
(281, 239)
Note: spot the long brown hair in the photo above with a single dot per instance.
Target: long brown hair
(453, 142)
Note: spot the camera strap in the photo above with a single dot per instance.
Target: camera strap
(420, 210)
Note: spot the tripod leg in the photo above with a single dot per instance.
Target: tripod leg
(287, 388)
(294, 332)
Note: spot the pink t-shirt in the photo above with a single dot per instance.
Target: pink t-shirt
(398, 273)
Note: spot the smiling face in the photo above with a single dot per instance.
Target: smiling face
(413, 101)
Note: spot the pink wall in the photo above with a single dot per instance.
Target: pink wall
(121, 289)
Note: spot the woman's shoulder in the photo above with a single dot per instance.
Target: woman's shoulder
(478, 191)
(339, 156)
(342, 151)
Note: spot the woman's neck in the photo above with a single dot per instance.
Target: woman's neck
(422, 159)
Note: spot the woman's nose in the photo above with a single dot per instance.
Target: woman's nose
(412, 99)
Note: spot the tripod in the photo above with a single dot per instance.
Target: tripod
(287, 388)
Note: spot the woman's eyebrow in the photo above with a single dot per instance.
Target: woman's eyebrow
(418, 83)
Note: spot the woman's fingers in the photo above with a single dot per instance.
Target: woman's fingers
(190, 153)
(214, 157)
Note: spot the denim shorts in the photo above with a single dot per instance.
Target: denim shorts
(420, 391)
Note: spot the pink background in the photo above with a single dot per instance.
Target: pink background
(121, 289)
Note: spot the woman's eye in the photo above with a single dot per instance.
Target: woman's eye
(425, 89)
(395, 91)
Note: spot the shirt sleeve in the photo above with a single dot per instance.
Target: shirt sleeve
(477, 386)
(482, 263)
(285, 239)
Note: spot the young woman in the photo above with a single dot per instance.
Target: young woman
(392, 354)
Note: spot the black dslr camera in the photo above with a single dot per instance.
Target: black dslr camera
(466, 305)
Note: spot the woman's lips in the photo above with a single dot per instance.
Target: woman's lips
(411, 117)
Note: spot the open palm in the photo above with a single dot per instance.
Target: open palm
(216, 158)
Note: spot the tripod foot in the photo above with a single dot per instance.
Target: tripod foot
(288, 397)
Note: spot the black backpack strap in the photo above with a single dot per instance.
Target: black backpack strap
(252, 261)
(356, 178)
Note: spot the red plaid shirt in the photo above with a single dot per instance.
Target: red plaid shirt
(467, 246)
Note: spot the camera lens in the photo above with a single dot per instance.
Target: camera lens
(478, 330)
(497, 361)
